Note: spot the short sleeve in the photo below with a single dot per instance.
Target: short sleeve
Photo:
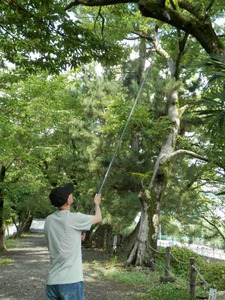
(81, 221)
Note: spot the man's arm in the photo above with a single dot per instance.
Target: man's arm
(97, 218)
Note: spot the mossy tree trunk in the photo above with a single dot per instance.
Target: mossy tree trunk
(143, 251)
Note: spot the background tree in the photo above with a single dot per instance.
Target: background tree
(35, 36)
(53, 159)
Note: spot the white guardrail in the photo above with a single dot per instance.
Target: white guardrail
(200, 249)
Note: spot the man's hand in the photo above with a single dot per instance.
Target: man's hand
(97, 218)
(97, 199)
(83, 236)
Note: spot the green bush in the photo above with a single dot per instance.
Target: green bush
(184, 255)
(214, 274)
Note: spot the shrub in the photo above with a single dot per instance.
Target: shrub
(184, 255)
(214, 274)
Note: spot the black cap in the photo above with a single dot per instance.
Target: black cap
(59, 195)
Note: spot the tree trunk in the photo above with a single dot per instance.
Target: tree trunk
(2, 224)
(146, 243)
(144, 249)
(24, 224)
(139, 254)
(2, 220)
(27, 224)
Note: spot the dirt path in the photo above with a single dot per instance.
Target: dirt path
(25, 278)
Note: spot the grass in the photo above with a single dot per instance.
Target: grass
(145, 284)
(4, 261)
(10, 243)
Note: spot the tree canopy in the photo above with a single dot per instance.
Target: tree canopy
(59, 128)
(55, 35)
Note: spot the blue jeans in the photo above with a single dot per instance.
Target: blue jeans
(70, 291)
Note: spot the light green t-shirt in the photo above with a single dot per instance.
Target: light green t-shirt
(63, 233)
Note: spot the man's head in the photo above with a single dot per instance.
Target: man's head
(59, 196)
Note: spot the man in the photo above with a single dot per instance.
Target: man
(63, 233)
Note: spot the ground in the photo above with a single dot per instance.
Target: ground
(25, 277)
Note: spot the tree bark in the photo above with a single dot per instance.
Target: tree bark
(153, 194)
(139, 254)
(196, 22)
(2, 220)
(143, 252)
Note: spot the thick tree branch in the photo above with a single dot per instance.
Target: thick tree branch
(182, 50)
(192, 9)
(154, 41)
(97, 3)
(200, 27)
(213, 225)
(193, 154)
(196, 23)
(190, 153)
(211, 2)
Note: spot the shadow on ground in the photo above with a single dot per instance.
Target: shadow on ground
(25, 277)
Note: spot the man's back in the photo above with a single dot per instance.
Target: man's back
(63, 234)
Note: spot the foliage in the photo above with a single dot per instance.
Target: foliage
(184, 255)
(81, 115)
(213, 102)
(45, 36)
(215, 274)
(212, 272)
(60, 143)
(57, 35)
(193, 195)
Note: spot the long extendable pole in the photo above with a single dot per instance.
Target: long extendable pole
(124, 130)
